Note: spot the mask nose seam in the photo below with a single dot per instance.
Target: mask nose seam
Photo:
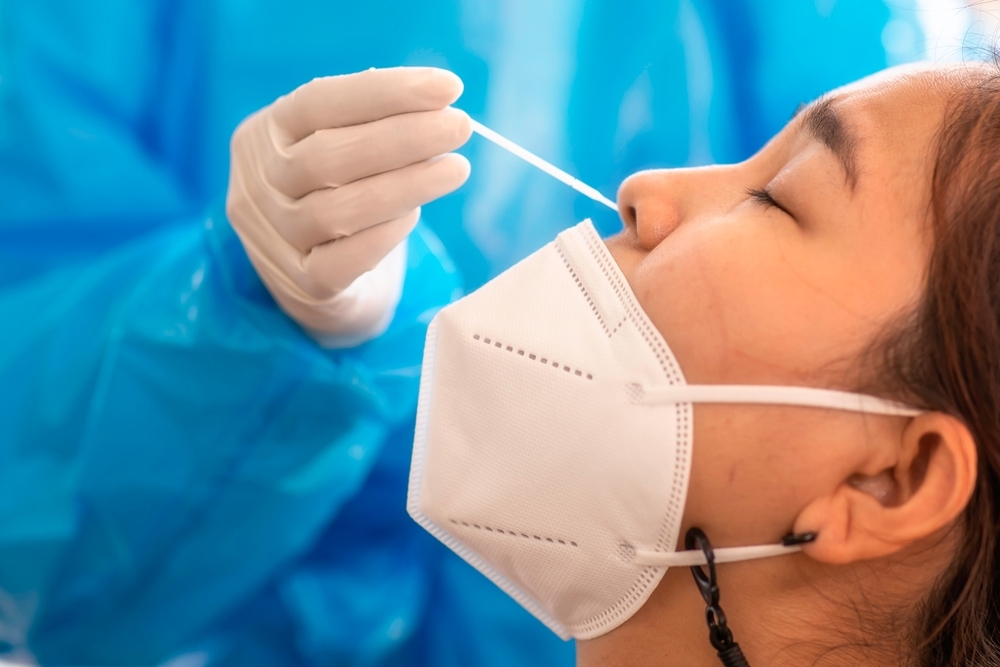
(633, 312)
(586, 295)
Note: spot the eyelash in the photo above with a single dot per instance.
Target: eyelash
(765, 198)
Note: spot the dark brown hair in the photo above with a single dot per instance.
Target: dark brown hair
(946, 357)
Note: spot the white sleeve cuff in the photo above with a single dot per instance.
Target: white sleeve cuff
(365, 309)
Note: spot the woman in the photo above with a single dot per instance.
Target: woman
(863, 256)
(857, 251)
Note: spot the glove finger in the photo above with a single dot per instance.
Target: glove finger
(335, 265)
(325, 215)
(352, 99)
(334, 157)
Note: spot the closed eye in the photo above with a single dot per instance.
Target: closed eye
(765, 198)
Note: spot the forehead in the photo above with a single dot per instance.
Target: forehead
(894, 118)
(903, 104)
(914, 94)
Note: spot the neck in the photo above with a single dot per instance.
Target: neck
(782, 611)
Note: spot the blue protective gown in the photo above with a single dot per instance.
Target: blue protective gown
(182, 470)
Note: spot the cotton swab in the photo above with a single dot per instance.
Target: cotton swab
(549, 169)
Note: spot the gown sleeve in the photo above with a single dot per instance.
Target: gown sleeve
(169, 439)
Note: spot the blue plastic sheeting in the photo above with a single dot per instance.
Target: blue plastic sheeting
(184, 472)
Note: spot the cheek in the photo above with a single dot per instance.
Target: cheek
(755, 467)
(679, 291)
(744, 302)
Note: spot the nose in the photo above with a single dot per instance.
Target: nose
(649, 203)
(654, 203)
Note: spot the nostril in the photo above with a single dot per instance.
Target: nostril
(630, 216)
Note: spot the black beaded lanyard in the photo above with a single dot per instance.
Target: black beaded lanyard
(719, 634)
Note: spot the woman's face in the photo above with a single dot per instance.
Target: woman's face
(781, 270)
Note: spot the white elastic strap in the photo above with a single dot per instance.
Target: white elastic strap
(723, 555)
(776, 395)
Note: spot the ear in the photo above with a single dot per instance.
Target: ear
(899, 497)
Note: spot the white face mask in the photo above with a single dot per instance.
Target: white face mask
(553, 440)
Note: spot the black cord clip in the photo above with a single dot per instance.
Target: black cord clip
(795, 539)
(719, 634)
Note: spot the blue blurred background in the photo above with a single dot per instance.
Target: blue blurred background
(186, 477)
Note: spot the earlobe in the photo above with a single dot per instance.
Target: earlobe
(876, 512)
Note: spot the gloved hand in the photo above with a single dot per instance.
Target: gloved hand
(326, 183)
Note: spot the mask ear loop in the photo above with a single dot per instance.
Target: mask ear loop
(719, 634)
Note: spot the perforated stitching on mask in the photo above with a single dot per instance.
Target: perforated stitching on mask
(635, 392)
(667, 363)
(513, 533)
(646, 578)
(586, 295)
(531, 356)
(680, 463)
(626, 552)
(669, 366)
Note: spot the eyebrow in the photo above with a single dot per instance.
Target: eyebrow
(822, 121)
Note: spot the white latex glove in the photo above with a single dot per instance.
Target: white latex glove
(326, 183)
